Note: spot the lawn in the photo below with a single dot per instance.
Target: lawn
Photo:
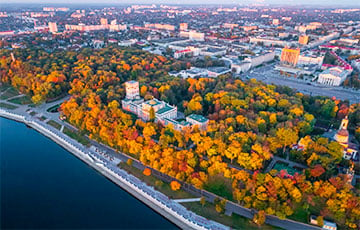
(7, 106)
(4, 87)
(33, 113)
(54, 124)
(234, 221)
(25, 100)
(219, 185)
(151, 180)
(76, 136)
(10, 92)
(300, 215)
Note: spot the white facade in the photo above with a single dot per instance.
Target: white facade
(132, 89)
(258, 60)
(197, 36)
(308, 60)
(333, 76)
(127, 42)
(271, 41)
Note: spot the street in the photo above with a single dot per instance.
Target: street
(268, 75)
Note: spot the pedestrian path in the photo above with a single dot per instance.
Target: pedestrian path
(187, 200)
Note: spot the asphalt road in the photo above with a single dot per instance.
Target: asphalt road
(268, 75)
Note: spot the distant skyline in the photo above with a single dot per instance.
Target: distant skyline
(342, 3)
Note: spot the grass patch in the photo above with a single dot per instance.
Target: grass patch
(151, 180)
(300, 215)
(54, 124)
(33, 113)
(3, 87)
(234, 221)
(219, 185)
(10, 92)
(76, 136)
(7, 106)
(25, 100)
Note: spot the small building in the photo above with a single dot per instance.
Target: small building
(217, 71)
(127, 42)
(190, 73)
(342, 137)
(182, 53)
(328, 225)
(198, 120)
(333, 76)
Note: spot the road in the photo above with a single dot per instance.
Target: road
(268, 75)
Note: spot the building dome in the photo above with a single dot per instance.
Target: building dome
(342, 136)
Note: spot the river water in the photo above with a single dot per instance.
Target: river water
(44, 186)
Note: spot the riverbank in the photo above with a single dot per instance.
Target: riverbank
(157, 201)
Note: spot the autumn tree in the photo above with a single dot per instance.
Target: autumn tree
(259, 218)
(202, 201)
(286, 137)
(175, 185)
(147, 172)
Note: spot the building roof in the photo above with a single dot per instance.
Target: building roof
(330, 224)
(336, 71)
(165, 109)
(153, 102)
(218, 69)
(198, 118)
(343, 132)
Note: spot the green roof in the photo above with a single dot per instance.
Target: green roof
(164, 109)
(183, 123)
(198, 118)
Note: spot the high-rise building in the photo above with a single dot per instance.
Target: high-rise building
(303, 39)
(53, 27)
(276, 21)
(183, 26)
(197, 36)
(132, 89)
(103, 21)
(290, 56)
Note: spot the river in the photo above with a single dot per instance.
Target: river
(43, 186)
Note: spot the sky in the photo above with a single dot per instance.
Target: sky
(342, 3)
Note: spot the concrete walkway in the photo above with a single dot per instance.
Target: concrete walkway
(187, 200)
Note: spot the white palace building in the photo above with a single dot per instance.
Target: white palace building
(164, 112)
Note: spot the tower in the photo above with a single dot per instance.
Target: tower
(183, 26)
(53, 27)
(344, 123)
(103, 21)
(290, 56)
(342, 135)
(132, 89)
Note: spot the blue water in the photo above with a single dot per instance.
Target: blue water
(44, 186)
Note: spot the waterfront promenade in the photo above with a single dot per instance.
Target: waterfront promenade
(170, 209)
(91, 156)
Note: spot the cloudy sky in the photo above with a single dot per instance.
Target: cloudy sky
(342, 3)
